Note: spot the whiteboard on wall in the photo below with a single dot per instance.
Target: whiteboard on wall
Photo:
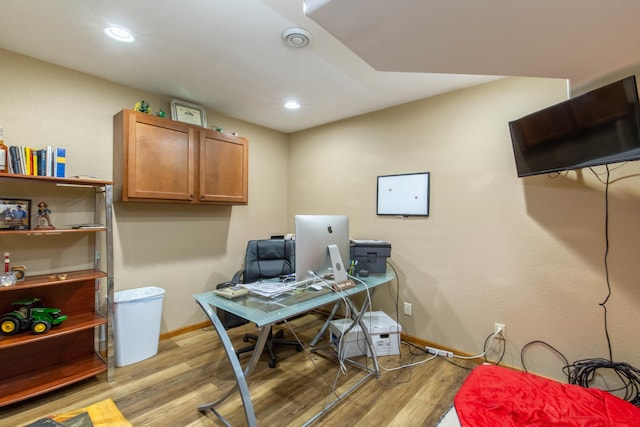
(403, 195)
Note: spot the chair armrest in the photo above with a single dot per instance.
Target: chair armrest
(236, 277)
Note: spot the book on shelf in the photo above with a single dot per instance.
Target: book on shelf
(60, 161)
(28, 157)
(15, 160)
(48, 161)
(41, 160)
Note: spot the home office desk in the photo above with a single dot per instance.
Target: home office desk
(264, 312)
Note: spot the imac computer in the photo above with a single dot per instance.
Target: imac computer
(322, 246)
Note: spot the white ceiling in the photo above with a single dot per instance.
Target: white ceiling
(228, 54)
(574, 39)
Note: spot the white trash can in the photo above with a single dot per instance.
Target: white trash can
(137, 324)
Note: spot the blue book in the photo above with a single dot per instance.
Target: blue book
(61, 159)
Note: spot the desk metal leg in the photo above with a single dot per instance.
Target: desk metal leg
(322, 330)
(356, 316)
(367, 336)
(375, 372)
(241, 380)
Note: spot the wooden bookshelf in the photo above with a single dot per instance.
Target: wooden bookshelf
(52, 377)
(75, 349)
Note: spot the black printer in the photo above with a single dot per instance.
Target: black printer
(369, 255)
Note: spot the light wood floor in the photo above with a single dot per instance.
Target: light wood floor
(191, 369)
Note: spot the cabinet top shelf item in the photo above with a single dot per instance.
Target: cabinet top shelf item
(63, 181)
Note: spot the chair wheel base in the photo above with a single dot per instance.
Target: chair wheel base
(274, 338)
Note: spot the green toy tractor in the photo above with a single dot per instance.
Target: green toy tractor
(25, 317)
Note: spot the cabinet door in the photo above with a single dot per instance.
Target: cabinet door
(223, 161)
(161, 159)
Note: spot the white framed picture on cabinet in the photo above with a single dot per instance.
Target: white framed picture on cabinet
(186, 112)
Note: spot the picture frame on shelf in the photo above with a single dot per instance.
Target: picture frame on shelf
(187, 112)
(15, 214)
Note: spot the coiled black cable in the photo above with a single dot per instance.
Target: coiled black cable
(582, 373)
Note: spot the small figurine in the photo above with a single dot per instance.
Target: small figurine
(161, 113)
(44, 218)
(143, 107)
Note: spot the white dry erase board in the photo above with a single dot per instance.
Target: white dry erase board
(403, 195)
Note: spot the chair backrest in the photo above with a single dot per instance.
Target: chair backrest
(268, 258)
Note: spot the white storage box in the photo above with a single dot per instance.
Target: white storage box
(353, 344)
(384, 331)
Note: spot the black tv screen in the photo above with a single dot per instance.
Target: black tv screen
(596, 128)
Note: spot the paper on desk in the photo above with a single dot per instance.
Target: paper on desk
(269, 289)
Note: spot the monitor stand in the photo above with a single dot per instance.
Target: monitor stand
(340, 277)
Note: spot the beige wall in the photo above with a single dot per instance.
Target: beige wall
(183, 249)
(524, 252)
(496, 248)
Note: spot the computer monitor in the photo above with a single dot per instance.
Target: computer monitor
(314, 235)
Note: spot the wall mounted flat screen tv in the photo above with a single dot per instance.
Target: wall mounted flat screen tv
(596, 128)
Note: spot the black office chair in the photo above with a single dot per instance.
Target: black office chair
(266, 259)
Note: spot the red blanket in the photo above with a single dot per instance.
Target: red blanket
(493, 396)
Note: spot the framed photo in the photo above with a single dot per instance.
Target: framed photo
(403, 195)
(15, 214)
(188, 113)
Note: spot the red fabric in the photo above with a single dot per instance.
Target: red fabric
(494, 396)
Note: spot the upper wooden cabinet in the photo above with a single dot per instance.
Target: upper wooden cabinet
(223, 164)
(161, 160)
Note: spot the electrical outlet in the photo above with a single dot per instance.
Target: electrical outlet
(502, 328)
(407, 308)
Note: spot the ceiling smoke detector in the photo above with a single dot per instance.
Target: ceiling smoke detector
(296, 37)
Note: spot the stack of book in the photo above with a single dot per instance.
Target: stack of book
(49, 161)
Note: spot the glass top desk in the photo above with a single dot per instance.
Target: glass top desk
(264, 312)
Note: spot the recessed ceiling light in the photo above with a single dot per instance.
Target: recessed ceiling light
(119, 33)
(292, 105)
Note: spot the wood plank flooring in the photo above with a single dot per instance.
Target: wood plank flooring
(191, 369)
